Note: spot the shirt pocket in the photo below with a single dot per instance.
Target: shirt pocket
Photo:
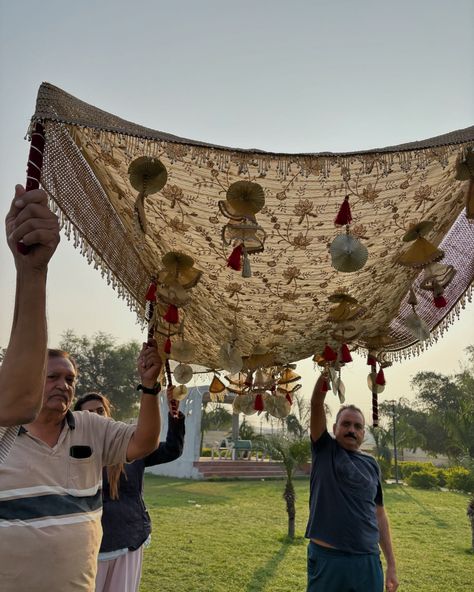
(84, 476)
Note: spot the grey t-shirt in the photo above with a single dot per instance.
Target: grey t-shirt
(344, 491)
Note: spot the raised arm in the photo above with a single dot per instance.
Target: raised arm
(23, 370)
(172, 448)
(391, 581)
(145, 437)
(318, 413)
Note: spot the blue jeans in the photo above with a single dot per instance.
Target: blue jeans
(331, 570)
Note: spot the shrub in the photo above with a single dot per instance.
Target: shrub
(423, 479)
(406, 468)
(385, 468)
(206, 452)
(460, 479)
(441, 474)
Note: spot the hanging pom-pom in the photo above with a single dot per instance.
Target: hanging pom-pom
(258, 404)
(289, 399)
(246, 269)
(329, 354)
(344, 215)
(167, 347)
(380, 380)
(234, 259)
(371, 360)
(151, 292)
(171, 315)
(345, 353)
(440, 301)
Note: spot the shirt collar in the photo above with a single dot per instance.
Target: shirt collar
(71, 422)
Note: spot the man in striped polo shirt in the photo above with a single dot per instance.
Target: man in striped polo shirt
(32, 223)
(50, 483)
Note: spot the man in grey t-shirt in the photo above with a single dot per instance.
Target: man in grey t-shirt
(347, 521)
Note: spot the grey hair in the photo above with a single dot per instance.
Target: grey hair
(351, 408)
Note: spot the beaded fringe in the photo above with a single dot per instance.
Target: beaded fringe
(93, 258)
(286, 165)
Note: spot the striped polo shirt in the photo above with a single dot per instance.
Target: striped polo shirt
(51, 504)
(7, 437)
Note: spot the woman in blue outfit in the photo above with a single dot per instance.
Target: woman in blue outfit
(125, 520)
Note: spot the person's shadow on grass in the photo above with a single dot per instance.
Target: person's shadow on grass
(263, 574)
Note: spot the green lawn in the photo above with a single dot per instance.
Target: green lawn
(229, 536)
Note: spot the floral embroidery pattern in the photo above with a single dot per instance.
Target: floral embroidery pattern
(285, 302)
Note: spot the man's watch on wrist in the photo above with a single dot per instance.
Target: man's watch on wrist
(150, 390)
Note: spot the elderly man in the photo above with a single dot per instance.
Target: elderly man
(347, 520)
(50, 483)
(31, 222)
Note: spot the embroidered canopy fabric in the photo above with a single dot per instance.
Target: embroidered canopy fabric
(284, 304)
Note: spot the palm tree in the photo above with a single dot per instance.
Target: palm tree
(218, 418)
(292, 453)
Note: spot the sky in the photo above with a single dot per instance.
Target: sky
(305, 76)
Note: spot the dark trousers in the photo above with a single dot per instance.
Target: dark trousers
(331, 570)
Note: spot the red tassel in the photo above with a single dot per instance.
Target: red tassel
(151, 293)
(171, 315)
(325, 386)
(329, 354)
(380, 380)
(371, 360)
(345, 354)
(258, 404)
(440, 301)
(344, 215)
(167, 347)
(289, 399)
(235, 258)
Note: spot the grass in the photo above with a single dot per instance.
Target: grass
(229, 536)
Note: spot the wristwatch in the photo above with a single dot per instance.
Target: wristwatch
(150, 391)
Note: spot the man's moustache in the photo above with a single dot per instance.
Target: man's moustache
(350, 436)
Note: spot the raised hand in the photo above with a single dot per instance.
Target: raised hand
(149, 364)
(32, 222)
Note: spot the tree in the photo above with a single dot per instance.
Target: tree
(246, 431)
(292, 453)
(106, 367)
(217, 418)
(448, 403)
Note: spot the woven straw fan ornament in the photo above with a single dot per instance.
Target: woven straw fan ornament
(244, 199)
(348, 254)
(182, 351)
(230, 358)
(422, 252)
(259, 358)
(244, 404)
(277, 406)
(183, 373)
(347, 308)
(147, 176)
(179, 268)
(416, 325)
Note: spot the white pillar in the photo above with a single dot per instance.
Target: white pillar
(192, 408)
